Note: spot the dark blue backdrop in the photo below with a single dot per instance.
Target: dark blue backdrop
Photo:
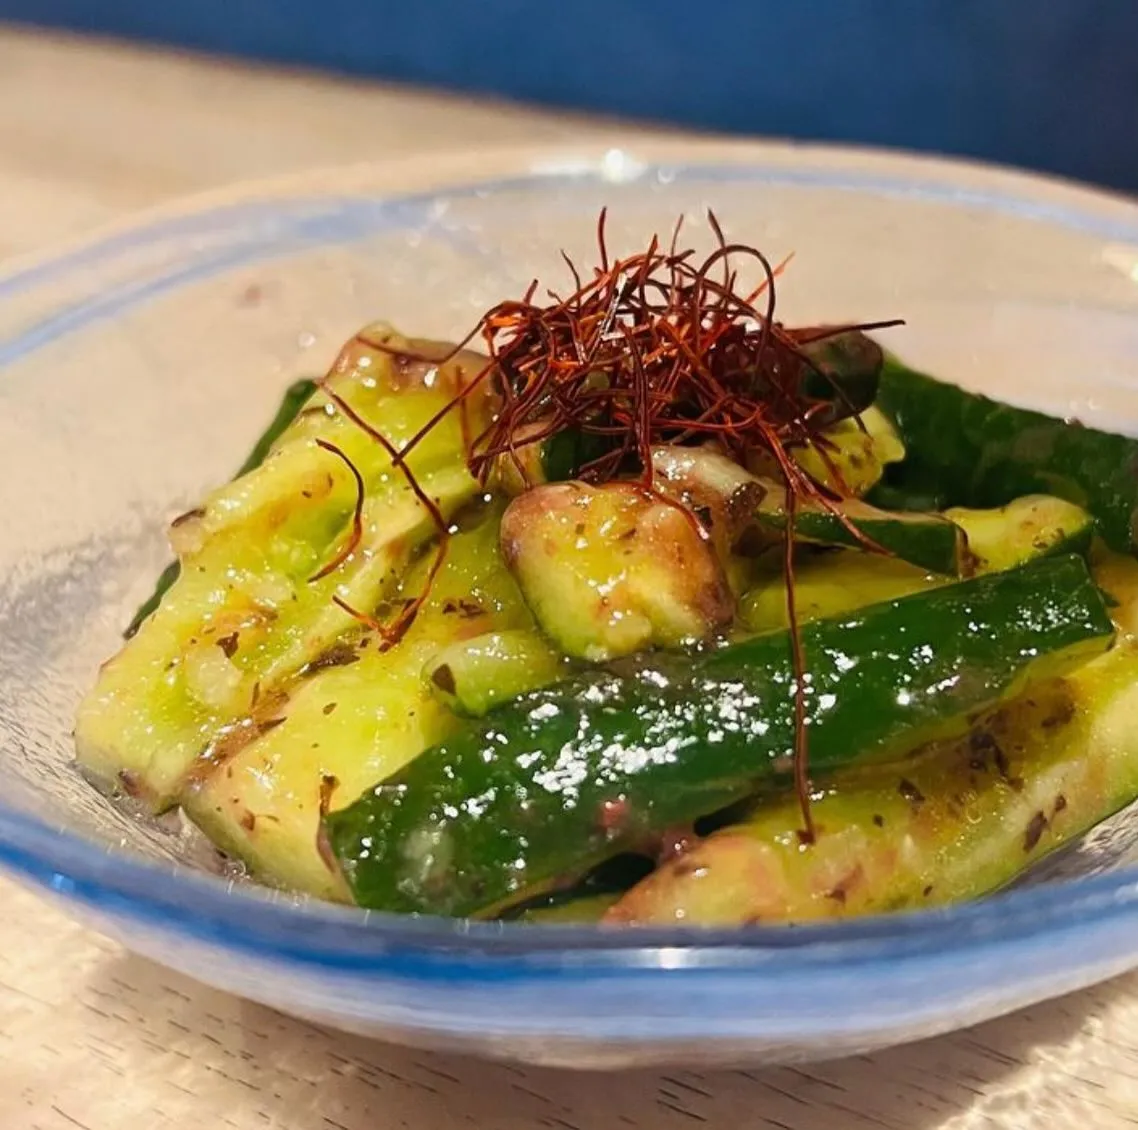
(1049, 84)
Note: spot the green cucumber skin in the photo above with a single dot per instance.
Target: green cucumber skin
(963, 449)
(295, 398)
(935, 544)
(562, 778)
(165, 582)
(566, 452)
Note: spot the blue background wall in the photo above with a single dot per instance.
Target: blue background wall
(1049, 84)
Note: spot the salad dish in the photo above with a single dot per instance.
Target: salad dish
(638, 606)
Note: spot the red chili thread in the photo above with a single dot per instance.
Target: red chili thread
(392, 633)
(356, 535)
(651, 350)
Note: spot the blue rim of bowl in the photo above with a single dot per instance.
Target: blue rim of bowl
(252, 919)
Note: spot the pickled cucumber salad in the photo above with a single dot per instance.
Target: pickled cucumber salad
(638, 605)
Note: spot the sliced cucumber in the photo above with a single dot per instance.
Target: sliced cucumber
(610, 570)
(850, 457)
(853, 453)
(729, 501)
(829, 584)
(295, 397)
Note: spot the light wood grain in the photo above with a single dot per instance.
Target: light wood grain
(92, 1037)
(88, 133)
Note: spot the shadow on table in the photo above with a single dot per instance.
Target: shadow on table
(1033, 1068)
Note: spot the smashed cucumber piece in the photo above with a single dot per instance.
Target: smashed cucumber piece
(930, 541)
(853, 454)
(958, 542)
(831, 584)
(295, 397)
(827, 584)
(960, 819)
(1034, 526)
(963, 449)
(557, 780)
(611, 570)
(733, 504)
(250, 606)
(355, 715)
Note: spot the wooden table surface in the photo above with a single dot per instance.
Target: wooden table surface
(92, 1037)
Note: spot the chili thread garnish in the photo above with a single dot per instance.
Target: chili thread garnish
(357, 532)
(391, 634)
(656, 348)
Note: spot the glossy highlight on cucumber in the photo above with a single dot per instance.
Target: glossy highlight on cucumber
(564, 777)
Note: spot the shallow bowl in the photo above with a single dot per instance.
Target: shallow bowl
(136, 366)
